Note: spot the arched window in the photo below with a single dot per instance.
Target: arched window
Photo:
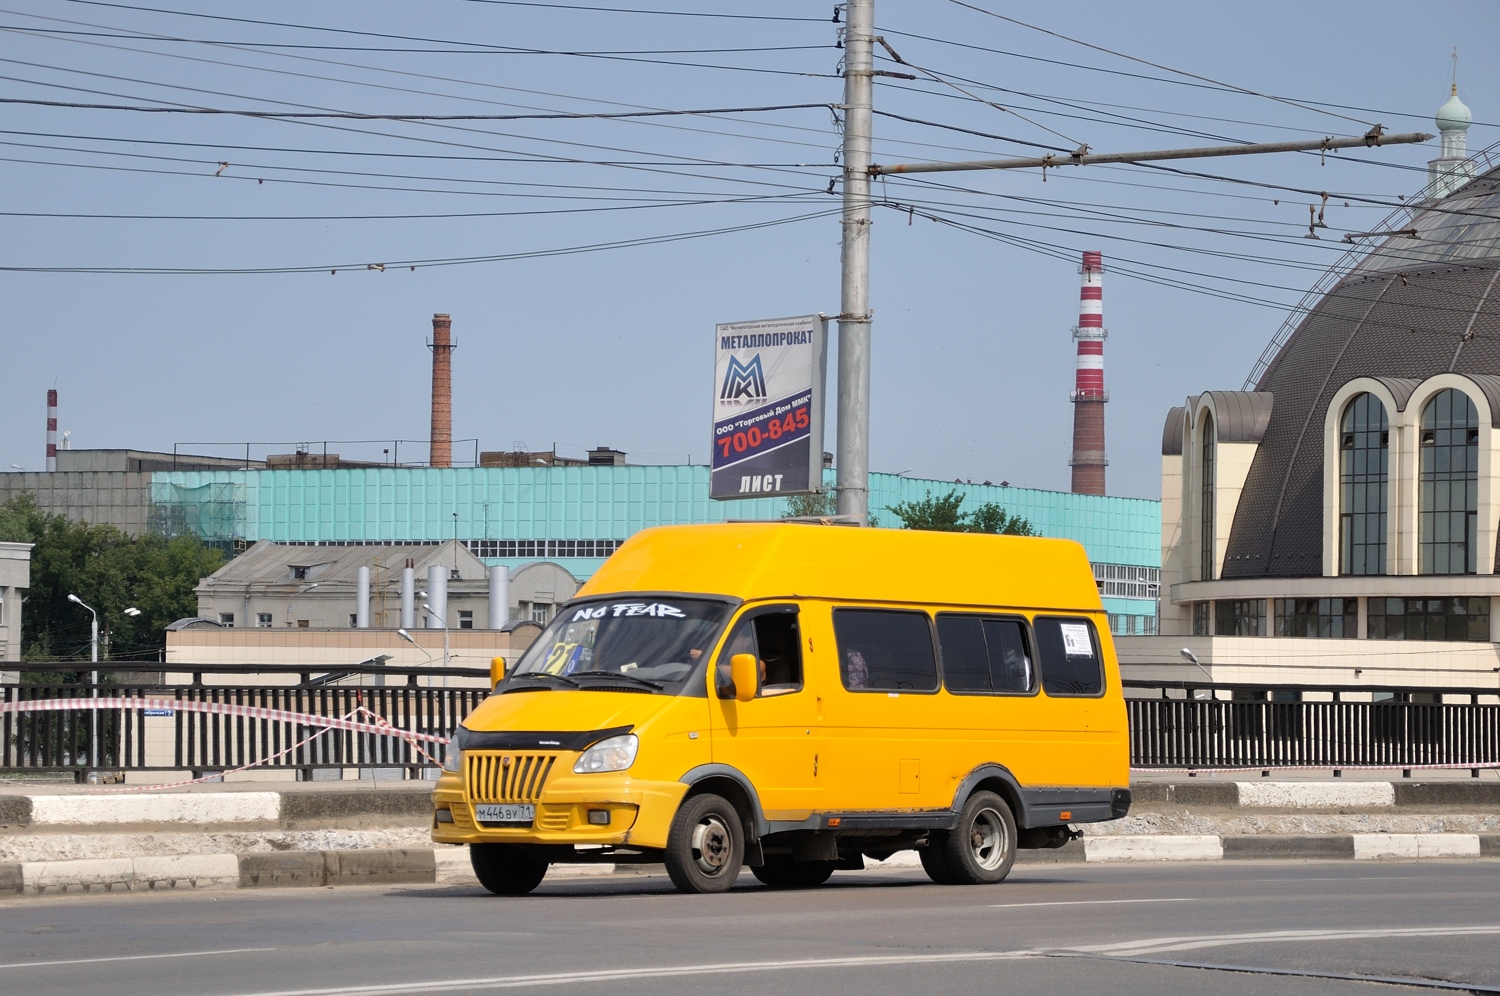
(1364, 463)
(1206, 512)
(1448, 500)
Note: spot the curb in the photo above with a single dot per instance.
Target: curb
(202, 810)
(450, 865)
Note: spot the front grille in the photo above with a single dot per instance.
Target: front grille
(507, 777)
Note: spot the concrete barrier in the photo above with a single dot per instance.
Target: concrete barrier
(1374, 846)
(1162, 847)
(1262, 847)
(187, 808)
(1315, 795)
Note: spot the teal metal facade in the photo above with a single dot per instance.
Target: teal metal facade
(396, 504)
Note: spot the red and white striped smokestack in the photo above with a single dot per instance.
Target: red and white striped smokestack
(1089, 395)
(441, 445)
(52, 430)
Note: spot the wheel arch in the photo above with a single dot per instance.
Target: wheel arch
(995, 778)
(731, 783)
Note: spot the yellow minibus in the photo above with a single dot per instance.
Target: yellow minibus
(796, 698)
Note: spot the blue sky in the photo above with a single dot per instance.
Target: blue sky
(973, 358)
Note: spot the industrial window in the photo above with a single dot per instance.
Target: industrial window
(3, 592)
(983, 654)
(1240, 617)
(1201, 618)
(1364, 463)
(1334, 618)
(883, 651)
(263, 620)
(226, 619)
(1070, 659)
(465, 618)
(538, 549)
(1448, 493)
(539, 612)
(1206, 503)
(1453, 619)
(353, 620)
(773, 637)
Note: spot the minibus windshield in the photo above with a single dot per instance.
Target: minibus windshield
(646, 644)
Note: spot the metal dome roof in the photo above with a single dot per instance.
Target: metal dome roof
(1410, 308)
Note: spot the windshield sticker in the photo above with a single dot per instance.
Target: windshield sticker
(1076, 642)
(618, 609)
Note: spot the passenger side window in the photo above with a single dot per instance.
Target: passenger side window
(1071, 661)
(775, 641)
(984, 654)
(883, 651)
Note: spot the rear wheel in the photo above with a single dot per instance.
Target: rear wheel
(781, 872)
(981, 849)
(505, 869)
(706, 845)
(934, 861)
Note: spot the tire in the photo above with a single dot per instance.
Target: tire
(781, 872)
(506, 870)
(982, 848)
(706, 845)
(935, 860)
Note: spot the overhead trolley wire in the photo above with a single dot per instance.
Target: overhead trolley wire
(426, 263)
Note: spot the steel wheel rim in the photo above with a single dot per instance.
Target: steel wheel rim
(711, 845)
(987, 843)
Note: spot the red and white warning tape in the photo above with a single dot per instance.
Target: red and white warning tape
(383, 728)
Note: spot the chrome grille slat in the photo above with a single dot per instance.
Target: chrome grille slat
(492, 779)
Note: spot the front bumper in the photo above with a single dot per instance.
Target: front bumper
(640, 812)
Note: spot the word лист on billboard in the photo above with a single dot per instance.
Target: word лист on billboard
(768, 407)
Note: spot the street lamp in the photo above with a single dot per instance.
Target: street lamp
(293, 595)
(443, 623)
(93, 678)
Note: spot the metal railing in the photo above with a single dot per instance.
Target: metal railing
(175, 739)
(1199, 730)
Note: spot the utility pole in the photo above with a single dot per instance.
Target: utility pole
(853, 447)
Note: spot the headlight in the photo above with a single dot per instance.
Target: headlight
(455, 749)
(614, 754)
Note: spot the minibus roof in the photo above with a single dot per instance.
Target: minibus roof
(769, 560)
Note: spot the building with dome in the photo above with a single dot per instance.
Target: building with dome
(1336, 523)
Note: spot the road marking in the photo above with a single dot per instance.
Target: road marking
(1161, 945)
(94, 961)
(666, 971)
(1090, 902)
(1120, 950)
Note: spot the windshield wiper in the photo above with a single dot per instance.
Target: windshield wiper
(658, 686)
(544, 676)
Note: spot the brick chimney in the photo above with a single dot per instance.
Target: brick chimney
(1089, 395)
(442, 347)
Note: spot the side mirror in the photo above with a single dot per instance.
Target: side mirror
(745, 673)
(497, 671)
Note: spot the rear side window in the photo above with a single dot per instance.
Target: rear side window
(984, 654)
(1071, 663)
(883, 651)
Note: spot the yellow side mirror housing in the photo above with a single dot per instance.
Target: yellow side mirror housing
(745, 673)
(497, 670)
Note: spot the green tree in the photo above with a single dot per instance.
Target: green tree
(111, 572)
(811, 506)
(943, 515)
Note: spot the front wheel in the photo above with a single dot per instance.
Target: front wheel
(981, 849)
(781, 872)
(706, 845)
(505, 869)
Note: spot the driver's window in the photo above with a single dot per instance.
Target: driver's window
(774, 640)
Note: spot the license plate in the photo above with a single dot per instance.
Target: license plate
(509, 814)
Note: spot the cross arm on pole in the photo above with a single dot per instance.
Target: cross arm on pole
(1082, 157)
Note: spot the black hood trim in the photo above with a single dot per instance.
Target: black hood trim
(577, 740)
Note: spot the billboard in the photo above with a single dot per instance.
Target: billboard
(768, 407)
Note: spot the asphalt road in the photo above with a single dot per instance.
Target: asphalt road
(1293, 928)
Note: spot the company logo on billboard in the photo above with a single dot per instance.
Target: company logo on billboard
(744, 380)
